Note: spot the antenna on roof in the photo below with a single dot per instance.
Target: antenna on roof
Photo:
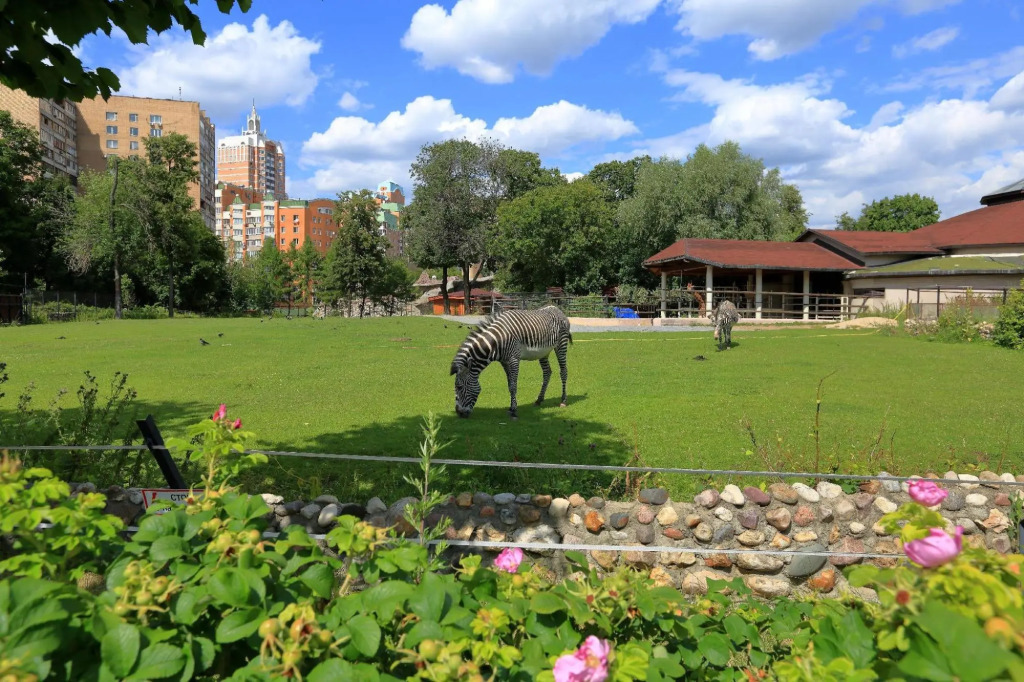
(179, 92)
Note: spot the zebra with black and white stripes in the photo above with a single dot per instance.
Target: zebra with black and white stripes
(723, 317)
(508, 338)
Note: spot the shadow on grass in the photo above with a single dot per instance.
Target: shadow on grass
(542, 434)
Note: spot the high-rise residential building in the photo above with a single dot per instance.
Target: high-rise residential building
(56, 121)
(391, 203)
(252, 159)
(247, 218)
(121, 125)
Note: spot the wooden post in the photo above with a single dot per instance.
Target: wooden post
(938, 301)
(807, 294)
(709, 284)
(758, 293)
(664, 294)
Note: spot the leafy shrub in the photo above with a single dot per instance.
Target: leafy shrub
(201, 592)
(1009, 328)
(957, 323)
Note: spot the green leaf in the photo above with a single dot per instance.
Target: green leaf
(546, 602)
(228, 585)
(320, 579)
(167, 548)
(926, 661)
(239, 625)
(159, 661)
(735, 627)
(365, 635)
(427, 601)
(120, 648)
(716, 649)
(971, 654)
(330, 671)
(204, 651)
(388, 597)
(425, 629)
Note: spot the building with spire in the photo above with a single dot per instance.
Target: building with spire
(391, 205)
(252, 159)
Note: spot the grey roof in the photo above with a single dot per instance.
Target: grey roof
(1013, 189)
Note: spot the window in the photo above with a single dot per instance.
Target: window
(294, 229)
(155, 118)
(156, 132)
(111, 115)
(282, 241)
(111, 130)
(133, 144)
(134, 132)
(134, 118)
(111, 144)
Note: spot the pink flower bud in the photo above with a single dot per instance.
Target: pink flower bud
(589, 663)
(926, 492)
(509, 559)
(221, 413)
(936, 549)
(237, 424)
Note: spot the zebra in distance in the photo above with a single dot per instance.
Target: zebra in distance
(723, 317)
(508, 338)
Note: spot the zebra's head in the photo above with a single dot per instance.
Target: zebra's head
(467, 386)
(713, 318)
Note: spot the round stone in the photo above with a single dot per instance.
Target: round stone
(619, 535)
(618, 521)
(594, 522)
(824, 581)
(977, 500)
(779, 518)
(645, 534)
(504, 498)
(804, 563)
(828, 491)
(848, 545)
(576, 500)
(653, 496)
(783, 492)
(954, 501)
(748, 519)
(804, 516)
(464, 500)
(757, 496)
(718, 561)
(542, 501)
(327, 515)
(750, 538)
(529, 514)
(845, 509)
(885, 505)
(673, 533)
(731, 494)
(481, 499)
(376, 506)
(644, 515)
(1002, 500)
(703, 532)
(856, 528)
(889, 486)
(768, 587)
(524, 498)
(806, 493)
(723, 514)
(724, 534)
(667, 516)
(559, 508)
(596, 503)
(763, 563)
(507, 515)
(707, 499)
(805, 536)
(310, 511)
(692, 520)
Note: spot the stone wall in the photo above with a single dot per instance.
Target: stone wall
(702, 539)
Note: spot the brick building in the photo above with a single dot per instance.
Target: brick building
(56, 121)
(248, 217)
(252, 159)
(120, 125)
(391, 204)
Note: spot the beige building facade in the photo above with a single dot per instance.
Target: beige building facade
(56, 121)
(252, 159)
(121, 125)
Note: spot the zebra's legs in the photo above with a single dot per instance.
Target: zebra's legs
(545, 366)
(512, 374)
(563, 369)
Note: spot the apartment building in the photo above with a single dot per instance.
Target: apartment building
(56, 121)
(121, 125)
(391, 203)
(243, 226)
(252, 159)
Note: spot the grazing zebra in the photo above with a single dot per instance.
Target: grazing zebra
(724, 316)
(507, 338)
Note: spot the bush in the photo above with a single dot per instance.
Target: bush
(957, 324)
(200, 593)
(1009, 328)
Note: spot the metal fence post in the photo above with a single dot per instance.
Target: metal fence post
(155, 442)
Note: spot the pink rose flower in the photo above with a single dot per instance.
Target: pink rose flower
(509, 559)
(926, 492)
(221, 413)
(589, 663)
(936, 549)
(237, 424)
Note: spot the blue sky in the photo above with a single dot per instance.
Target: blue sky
(853, 99)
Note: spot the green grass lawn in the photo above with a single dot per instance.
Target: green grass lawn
(363, 386)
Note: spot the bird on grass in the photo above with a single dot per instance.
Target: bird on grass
(204, 342)
(61, 337)
(219, 334)
(699, 357)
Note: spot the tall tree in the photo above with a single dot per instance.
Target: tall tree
(901, 213)
(514, 172)
(355, 262)
(107, 232)
(393, 286)
(617, 179)
(718, 193)
(273, 275)
(306, 265)
(794, 215)
(36, 38)
(20, 166)
(556, 236)
(171, 167)
(447, 221)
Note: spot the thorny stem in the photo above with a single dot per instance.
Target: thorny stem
(817, 421)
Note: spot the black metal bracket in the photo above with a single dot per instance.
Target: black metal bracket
(155, 442)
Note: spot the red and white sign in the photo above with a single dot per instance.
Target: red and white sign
(153, 495)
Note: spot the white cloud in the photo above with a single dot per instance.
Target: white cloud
(350, 102)
(772, 26)
(573, 177)
(490, 39)
(968, 78)
(271, 62)
(929, 42)
(354, 152)
(955, 150)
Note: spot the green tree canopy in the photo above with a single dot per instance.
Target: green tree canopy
(901, 213)
(718, 193)
(36, 37)
(306, 265)
(556, 236)
(355, 262)
(617, 179)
